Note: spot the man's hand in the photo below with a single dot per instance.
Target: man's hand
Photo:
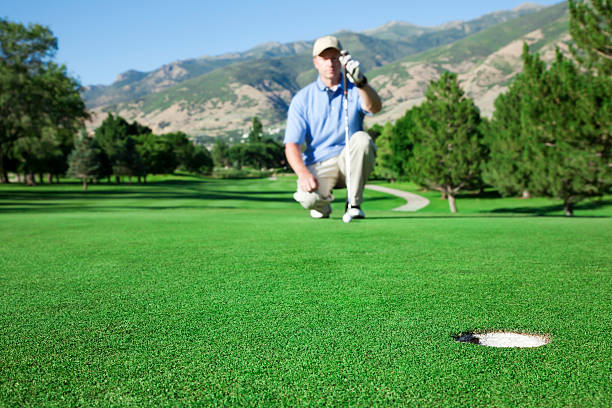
(353, 70)
(307, 182)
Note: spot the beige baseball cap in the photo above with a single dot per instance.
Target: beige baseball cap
(323, 43)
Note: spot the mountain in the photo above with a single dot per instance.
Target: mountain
(134, 84)
(486, 62)
(217, 96)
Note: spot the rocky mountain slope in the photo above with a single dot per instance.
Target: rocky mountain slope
(217, 96)
(486, 62)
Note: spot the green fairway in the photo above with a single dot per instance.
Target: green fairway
(205, 292)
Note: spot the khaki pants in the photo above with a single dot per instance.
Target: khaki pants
(331, 173)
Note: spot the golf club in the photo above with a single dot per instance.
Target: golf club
(347, 216)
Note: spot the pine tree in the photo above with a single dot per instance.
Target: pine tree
(127, 161)
(570, 129)
(449, 150)
(509, 166)
(256, 131)
(384, 157)
(84, 161)
(402, 143)
(591, 30)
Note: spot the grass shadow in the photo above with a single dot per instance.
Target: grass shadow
(204, 193)
(545, 211)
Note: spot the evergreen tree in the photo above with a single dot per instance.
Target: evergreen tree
(111, 136)
(127, 161)
(256, 131)
(402, 142)
(591, 30)
(84, 161)
(119, 140)
(570, 129)
(384, 166)
(448, 151)
(510, 163)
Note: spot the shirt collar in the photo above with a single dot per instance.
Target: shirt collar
(323, 87)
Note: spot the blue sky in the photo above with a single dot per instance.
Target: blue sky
(99, 39)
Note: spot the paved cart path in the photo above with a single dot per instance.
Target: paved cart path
(414, 202)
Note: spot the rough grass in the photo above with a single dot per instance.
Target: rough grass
(223, 292)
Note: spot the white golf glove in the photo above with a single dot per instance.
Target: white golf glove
(353, 70)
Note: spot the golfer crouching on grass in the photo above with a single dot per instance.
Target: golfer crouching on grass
(317, 119)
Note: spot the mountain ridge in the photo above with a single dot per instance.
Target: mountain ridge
(217, 96)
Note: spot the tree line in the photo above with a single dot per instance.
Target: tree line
(550, 135)
(42, 122)
(258, 152)
(121, 149)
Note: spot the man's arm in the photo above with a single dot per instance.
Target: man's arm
(370, 101)
(306, 181)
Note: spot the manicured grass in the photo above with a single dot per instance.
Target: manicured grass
(224, 292)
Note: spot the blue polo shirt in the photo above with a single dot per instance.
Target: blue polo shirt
(316, 117)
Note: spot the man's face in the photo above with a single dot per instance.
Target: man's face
(328, 65)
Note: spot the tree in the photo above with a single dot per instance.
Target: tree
(156, 153)
(570, 126)
(182, 146)
(402, 142)
(448, 151)
(118, 139)
(57, 165)
(385, 157)
(199, 161)
(34, 151)
(510, 163)
(273, 154)
(591, 29)
(127, 161)
(84, 161)
(37, 97)
(236, 154)
(191, 158)
(220, 153)
(256, 131)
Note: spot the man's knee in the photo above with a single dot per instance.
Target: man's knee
(362, 141)
(312, 200)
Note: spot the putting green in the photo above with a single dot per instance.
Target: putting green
(217, 292)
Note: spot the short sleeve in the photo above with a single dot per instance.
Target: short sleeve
(297, 126)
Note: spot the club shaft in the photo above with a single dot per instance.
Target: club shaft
(346, 139)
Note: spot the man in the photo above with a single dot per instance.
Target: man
(316, 119)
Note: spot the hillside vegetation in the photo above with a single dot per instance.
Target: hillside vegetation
(218, 96)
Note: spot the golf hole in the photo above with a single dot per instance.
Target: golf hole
(503, 339)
